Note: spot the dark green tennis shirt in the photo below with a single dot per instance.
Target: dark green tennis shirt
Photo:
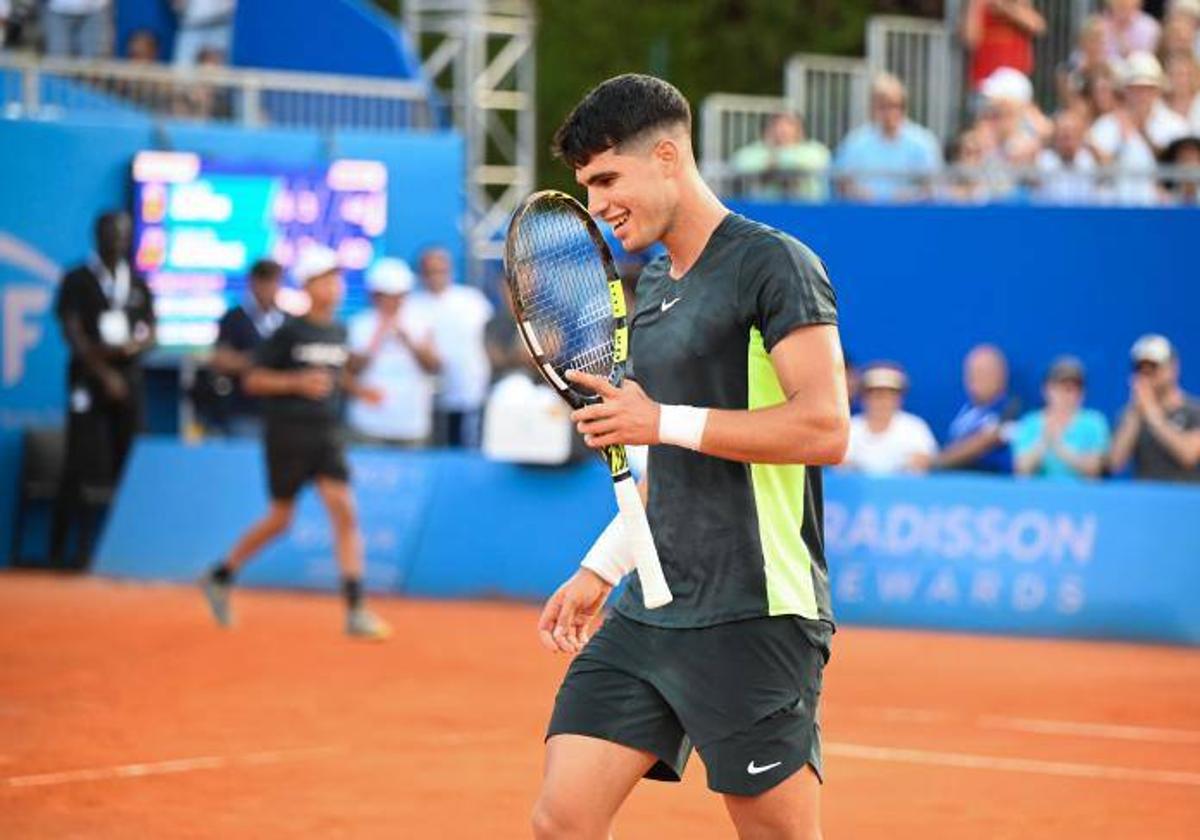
(736, 540)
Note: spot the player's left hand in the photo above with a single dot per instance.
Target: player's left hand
(371, 395)
(625, 415)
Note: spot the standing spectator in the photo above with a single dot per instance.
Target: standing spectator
(1128, 29)
(1068, 168)
(5, 14)
(1000, 33)
(203, 24)
(785, 163)
(396, 344)
(1160, 428)
(220, 393)
(979, 433)
(884, 440)
(1134, 135)
(107, 317)
(76, 28)
(459, 314)
(894, 155)
(1064, 439)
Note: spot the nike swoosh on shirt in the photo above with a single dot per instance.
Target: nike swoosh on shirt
(754, 771)
(667, 305)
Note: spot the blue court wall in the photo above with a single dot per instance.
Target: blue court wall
(922, 285)
(55, 177)
(965, 553)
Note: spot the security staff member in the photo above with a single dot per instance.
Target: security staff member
(106, 313)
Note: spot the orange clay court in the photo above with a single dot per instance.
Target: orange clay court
(125, 713)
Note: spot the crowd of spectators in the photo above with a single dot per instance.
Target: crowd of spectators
(84, 29)
(1127, 102)
(421, 345)
(1157, 434)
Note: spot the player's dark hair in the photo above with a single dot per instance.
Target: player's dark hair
(266, 270)
(622, 109)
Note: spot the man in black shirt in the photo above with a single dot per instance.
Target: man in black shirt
(240, 332)
(738, 387)
(106, 312)
(301, 373)
(1160, 428)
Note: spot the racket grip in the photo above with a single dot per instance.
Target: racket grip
(640, 542)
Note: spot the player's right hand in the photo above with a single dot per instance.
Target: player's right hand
(314, 384)
(568, 615)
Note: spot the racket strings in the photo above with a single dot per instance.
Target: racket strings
(562, 289)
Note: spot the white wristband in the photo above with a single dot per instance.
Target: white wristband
(682, 425)
(608, 556)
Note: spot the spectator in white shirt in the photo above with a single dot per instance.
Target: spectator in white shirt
(1128, 29)
(884, 439)
(76, 28)
(396, 344)
(1135, 134)
(1068, 167)
(459, 314)
(203, 25)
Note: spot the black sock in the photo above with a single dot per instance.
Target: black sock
(221, 573)
(352, 590)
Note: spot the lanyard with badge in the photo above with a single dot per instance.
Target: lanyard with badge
(114, 321)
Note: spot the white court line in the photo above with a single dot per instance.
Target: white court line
(1092, 730)
(1039, 726)
(163, 768)
(1012, 765)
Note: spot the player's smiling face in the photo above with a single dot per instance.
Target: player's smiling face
(632, 191)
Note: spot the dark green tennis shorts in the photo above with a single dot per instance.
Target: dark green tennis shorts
(746, 694)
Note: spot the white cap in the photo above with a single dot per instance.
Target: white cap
(1152, 348)
(1188, 7)
(1142, 68)
(313, 262)
(888, 376)
(390, 276)
(1007, 83)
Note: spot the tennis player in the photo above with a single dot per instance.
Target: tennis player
(301, 371)
(740, 393)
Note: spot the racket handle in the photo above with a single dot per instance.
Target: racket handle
(640, 542)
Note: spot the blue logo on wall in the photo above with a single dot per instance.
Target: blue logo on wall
(32, 357)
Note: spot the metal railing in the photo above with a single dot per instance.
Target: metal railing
(729, 122)
(52, 87)
(830, 92)
(918, 51)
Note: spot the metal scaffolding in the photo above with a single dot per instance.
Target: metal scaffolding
(480, 55)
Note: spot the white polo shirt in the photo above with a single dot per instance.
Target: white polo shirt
(888, 452)
(407, 408)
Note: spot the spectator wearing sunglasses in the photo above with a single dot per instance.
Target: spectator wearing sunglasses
(1160, 428)
(1064, 439)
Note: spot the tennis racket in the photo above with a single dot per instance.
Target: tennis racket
(570, 311)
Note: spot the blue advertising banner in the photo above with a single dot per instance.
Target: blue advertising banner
(1119, 560)
(444, 524)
